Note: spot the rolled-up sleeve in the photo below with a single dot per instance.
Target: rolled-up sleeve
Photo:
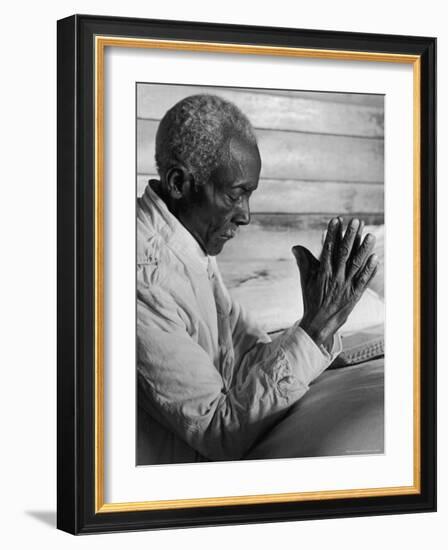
(180, 386)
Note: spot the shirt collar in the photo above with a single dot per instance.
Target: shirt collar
(176, 236)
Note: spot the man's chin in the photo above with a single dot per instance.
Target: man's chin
(214, 251)
(216, 246)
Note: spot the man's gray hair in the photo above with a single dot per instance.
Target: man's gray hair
(194, 131)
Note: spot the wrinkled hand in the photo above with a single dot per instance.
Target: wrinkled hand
(332, 286)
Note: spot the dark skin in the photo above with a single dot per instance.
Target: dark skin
(332, 286)
(212, 213)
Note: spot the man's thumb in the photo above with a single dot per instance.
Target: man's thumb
(305, 260)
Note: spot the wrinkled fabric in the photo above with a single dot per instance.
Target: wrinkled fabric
(197, 401)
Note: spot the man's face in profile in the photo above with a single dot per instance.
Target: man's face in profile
(222, 204)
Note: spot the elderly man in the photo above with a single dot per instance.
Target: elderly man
(210, 380)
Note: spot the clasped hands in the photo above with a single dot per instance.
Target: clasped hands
(332, 286)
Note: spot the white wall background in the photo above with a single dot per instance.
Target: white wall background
(28, 274)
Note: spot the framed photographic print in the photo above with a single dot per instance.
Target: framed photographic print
(246, 274)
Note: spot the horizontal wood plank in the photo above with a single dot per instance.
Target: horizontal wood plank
(290, 155)
(366, 100)
(311, 220)
(318, 112)
(289, 196)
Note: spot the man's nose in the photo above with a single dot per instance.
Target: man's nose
(242, 214)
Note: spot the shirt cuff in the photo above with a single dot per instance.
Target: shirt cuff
(307, 359)
(336, 348)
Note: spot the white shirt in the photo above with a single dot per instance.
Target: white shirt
(191, 407)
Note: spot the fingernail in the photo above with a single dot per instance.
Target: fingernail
(374, 259)
(354, 223)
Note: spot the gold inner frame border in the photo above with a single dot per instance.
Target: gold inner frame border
(101, 42)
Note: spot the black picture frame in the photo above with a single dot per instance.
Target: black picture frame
(76, 511)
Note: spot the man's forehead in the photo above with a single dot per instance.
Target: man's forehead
(240, 148)
(241, 157)
(240, 165)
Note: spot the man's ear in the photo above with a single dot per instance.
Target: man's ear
(178, 182)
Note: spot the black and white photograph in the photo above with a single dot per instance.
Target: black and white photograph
(246, 274)
(220, 300)
(259, 274)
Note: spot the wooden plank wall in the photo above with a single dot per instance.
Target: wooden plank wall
(322, 155)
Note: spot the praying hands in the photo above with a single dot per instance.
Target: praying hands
(332, 286)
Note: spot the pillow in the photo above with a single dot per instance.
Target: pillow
(341, 414)
(377, 283)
